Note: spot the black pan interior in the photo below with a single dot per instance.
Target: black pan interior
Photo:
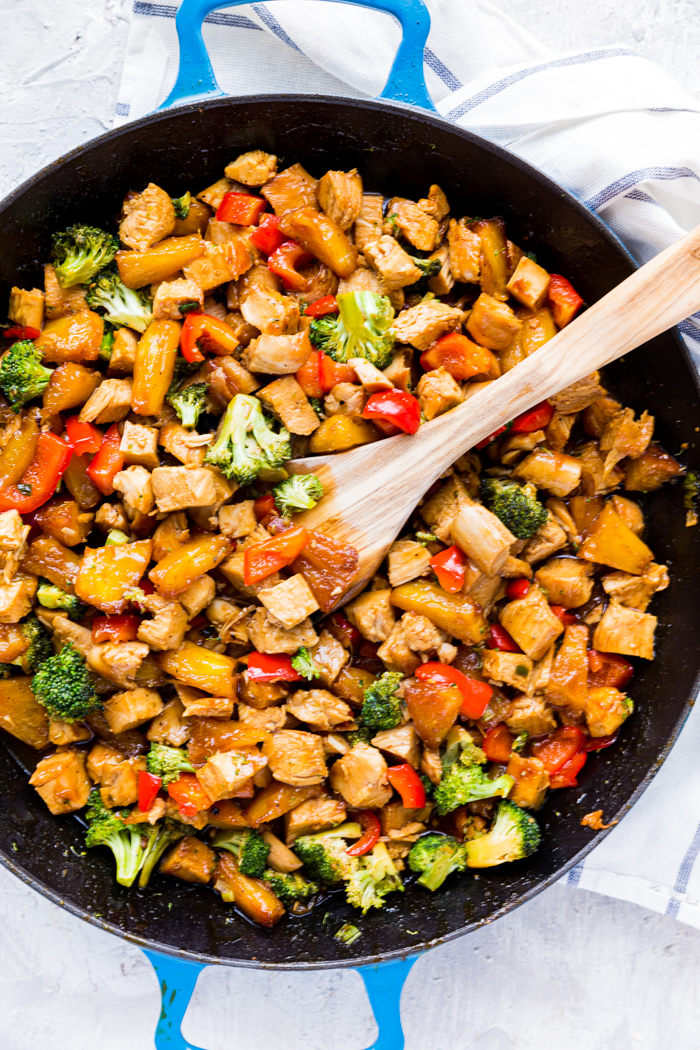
(398, 151)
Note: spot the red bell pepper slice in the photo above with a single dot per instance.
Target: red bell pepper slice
(205, 332)
(263, 506)
(343, 630)
(449, 567)
(395, 406)
(608, 669)
(498, 743)
(266, 667)
(557, 748)
(189, 795)
(327, 304)
(243, 209)
(500, 639)
(107, 463)
(408, 784)
(121, 628)
(309, 375)
(492, 437)
(261, 561)
(331, 373)
(458, 355)
(564, 301)
(267, 238)
(284, 261)
(476, 695)
(372, 829)
(21, 331)
(566, 777)
(597, 743)
(565, 615)
(536, 418)
(148, 787)
(517, 588)
(41, 477)
(84, 437)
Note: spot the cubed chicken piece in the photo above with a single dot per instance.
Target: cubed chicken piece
(148, 218)
(443, 281)
(277, 354)
(625, 631)
(492, 323)
(118, 661)
(340, 195)
(13, 542)
(185, 444)
(368, 225)
(237, 519)
(596, 417)
(513, 568)
(296, 757)
(227, 377)
(268, 637)
(170, 726)
(636, 591)
(330, 658)
(431, 765)
(171, 295)
(101, 759)
(123, 352)
(178, 488)
(132, 708)
(190, 859)
(396, 654)
(64, 733)
(226, 772)
(436, 203)
(16, 597)
(110, 403)
(373, 614)
(371, 378)
(61, 301)
(486, 590)
(362, 279)
(596, 478)
(563, 517)
(222, 233)
(567, 581)
(631, 513)
(438, 392)
(547, 540)
(27, 307)
(441, 509)
(119, 785)
(421, 634)
(360, 777)
(233, 568)
(139, 446)
(269, 311)
(134, 485)
(214, 194)
(418, 227)
(286, 400)
(219, 264)
(531, 623)
(402, 742)
(579, 395)
(483, 537)
(316, 814)
(319, 709)
(421, 325)
(407, 559)
(529, 283)
(392, 263)
(512, 446)
(512, 669)
(531, 781)
(465, 251)
(606, 710)
(345, 399)
(62, 781)
(555, 471)
(252, 169)
(623, 436)
(292, 189)
(167, 628)
(531, 715)
(290, 601)
(271, 719)
(198, 595)
(558, 430)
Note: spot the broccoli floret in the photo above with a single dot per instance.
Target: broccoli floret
(182, 205)
(465, 782)
(247, 443)
(428, 268)
(62, 684)
(22, 375)
(107, 343)
(80, 252)
(300, 492)
(303, 664)
(40, 647)
(459, 744)
(427, 784)
(363, 735)
(514, 834)
(52, 597)
(129, 843)
(108, 295)
(249, 848)
(362, 328)
(160, 835)
(189, 403)
(167, 763)
(372, 877)
(381, 708)
(436, 856)
(182, 370)
(516, 505)
(291, 887)
(324, 855)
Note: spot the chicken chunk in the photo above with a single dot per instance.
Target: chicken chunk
(226, 772)
(119, 785)
(579, 395)
(636, 591)
(16, 597)
(330, 658)
(167, 628)
(286, 400)
(402, 742)
(512, 669)
(394, 265)
(237, 519)
(531, 781)
(443, 281)
(625, 631)
(172, 295)
(264, 307)
(198, 595)
(319, 709)
(345, 399)
(62, 781)
(531, 623)
(123, 352)
(62, 733)
(132, 708)
(407, 560)
(418, 227)
(547, 540)
(421, 634)
(440, 510)
(290, 601)
(492, 323)
(483, 537)
(110, 403)
(190, 859)
(438, 392)
(13, 542)
(363, 279)
(340, 195)
(360, 777)
(558, 430)
(373, 381)
(277, 354)
(101, 759)
(566, 581)
(529, 283)
(27, 307)
(61, 301)
(292, 189)
(421, 325)
(465, 251)
(558, 473)
(296, 757)
(252, 169)
(373, 614)
(170, 727)
(531, 715)
(135, 487)
(396, 654)
(178, 488)
(623, 436)
(148, 218)
(219, 264)
(606, 709)
(268, 637)
(139, 446)
(185, 444)
(368, 225)
(316, 814)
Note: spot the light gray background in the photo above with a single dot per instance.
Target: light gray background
(568, 969)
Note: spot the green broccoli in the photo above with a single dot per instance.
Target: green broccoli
(182, 205)
(303, 664)
(247, 443)
(189, 403)
(466, 781)
(373, 876)
(363, 735)
(167, 763)
(40, 647)
(436, 856)
(516, 505)
(514, 834)
(428, 268)
(249, 848)
(160, 835)
(80, 252)
(362, 328)
(300, 492)
(381, 708)
(324, 856)
(64, 687)
(107, 343)
(182, 370)
(108, 295)
(291, 887)
(128, 842)
(22, 375)
(459, 744)
(52, 597)
(347, 934)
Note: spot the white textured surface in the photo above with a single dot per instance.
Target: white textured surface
(569, 968)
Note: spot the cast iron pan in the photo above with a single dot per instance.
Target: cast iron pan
(398, 151)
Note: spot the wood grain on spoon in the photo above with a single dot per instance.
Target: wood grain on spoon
(371, 491)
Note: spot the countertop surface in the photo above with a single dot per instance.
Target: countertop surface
(570, 968)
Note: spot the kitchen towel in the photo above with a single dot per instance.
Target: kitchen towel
(614, 128)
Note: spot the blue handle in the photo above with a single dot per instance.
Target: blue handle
(177, 978)
(406, 81)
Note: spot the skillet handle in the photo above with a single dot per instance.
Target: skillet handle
(177, 978)
(406, 82)
(384, 984)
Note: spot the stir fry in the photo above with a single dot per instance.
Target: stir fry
(173, 641)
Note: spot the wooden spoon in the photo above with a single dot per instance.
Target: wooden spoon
(371, 491)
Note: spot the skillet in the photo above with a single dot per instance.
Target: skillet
(399, 150)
